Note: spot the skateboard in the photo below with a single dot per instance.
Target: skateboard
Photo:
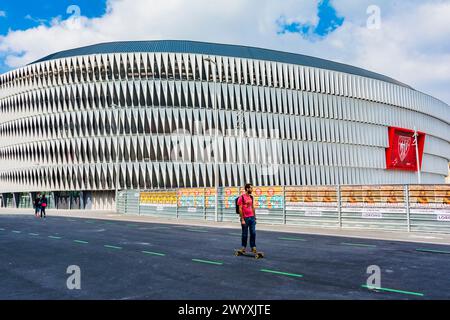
(257, 255)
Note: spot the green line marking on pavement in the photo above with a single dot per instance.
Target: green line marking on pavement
(33, 234)
(393, 290)
(358, 245)
(282, 273)
(15, 231)
(154, 253)
(208, 262)
(292, 239)
(80, 241)
(132, 225)
(235, 234)
(196, 230)
(433, 251)
(112, 247)
(53, 237)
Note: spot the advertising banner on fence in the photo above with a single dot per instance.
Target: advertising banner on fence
(429, 197)
(311, 196)
(373, 202)
(430, 202)
(158, 199)
(210, 198)
(230, 195)
(268, 197)
(265, 197)
(372, 196)
(313, 201)
(196, 198)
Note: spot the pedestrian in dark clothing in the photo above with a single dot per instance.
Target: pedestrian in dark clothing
(43, 205)
(37, 205)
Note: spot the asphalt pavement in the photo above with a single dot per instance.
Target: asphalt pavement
(142, 260)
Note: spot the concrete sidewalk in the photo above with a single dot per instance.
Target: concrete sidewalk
(432, 238)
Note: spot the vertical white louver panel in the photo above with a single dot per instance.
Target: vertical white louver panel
(295, 103)
(302, 80)
(290, 77)
(245, 71)
(314, 80)
(283, 75)
(257, 72)
(307, 79)
(262, 73)
(274, 74)
(238, 68)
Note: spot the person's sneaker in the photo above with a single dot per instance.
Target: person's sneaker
(254, 250)
(242, 250)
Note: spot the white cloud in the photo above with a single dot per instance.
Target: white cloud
(2, 13)
(412, 45)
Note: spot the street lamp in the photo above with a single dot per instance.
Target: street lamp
(117, 153)
(416, 143)
(216, 155)
(240, 127)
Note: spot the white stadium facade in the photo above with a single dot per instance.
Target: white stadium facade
(83, 123)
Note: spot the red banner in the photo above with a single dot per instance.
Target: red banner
(401, 154)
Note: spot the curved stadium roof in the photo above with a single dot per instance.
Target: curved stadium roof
(182, 46)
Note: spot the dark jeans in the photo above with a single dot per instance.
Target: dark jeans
(250, 223)
(36, 210)
(43, 211)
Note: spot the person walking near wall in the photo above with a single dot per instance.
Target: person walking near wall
(43, 205)
(37, 205)
(248, 218)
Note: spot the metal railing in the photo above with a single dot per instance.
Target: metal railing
(412, 208)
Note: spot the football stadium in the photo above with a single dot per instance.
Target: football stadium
(84, 123)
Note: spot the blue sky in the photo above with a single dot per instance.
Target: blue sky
(30, 14)
(328, 21)
(25, 14)
(408, 46)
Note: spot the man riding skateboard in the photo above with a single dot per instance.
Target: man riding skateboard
(248, 218)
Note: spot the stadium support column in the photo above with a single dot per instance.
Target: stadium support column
(82, 200)
(87, 195)
(32, 196)
(4, 203)
(16, 199)
(55, 197)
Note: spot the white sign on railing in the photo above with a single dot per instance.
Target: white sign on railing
(443, 217)
(313, 213)
(372, 215)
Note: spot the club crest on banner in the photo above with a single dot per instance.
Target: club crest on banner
(404, 144)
